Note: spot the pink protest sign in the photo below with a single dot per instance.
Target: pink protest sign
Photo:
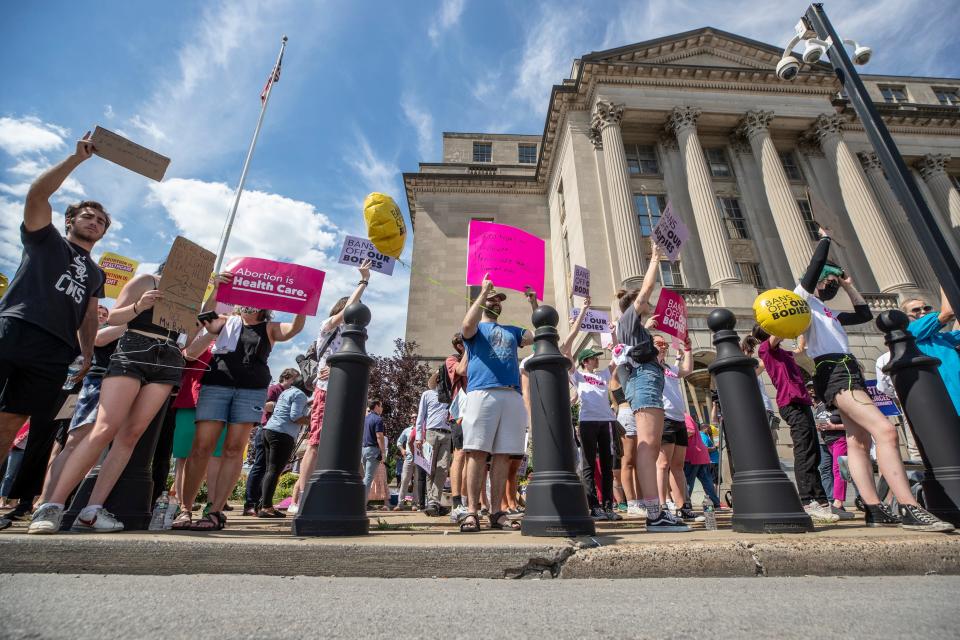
(268, 284)
(672, 314)
(513, 258)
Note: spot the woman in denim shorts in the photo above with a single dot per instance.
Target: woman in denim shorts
(232, 395)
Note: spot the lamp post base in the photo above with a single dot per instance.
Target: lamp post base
(340, 497)
(759, 497)
(556, 507)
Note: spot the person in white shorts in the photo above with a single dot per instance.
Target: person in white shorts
(494, 418)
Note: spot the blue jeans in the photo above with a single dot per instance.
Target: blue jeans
(826, 469)
(257, 469)
(13, 466)
(370, 459)
(701, 472)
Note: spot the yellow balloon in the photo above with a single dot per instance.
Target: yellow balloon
(385, 226)
(3, 284)
(781, 313)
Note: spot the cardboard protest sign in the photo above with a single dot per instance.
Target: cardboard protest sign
(670, 233)
(513, 258)
(672, 312)
(268, 284)
(606, 340)
(129, 154)
(69, 407)
(118, 270)
(881, 400)
(595, 321)
(581, 281)
(356, 249)
(424, 460)
(183, 282)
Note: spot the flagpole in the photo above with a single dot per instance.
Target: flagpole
(228, 227)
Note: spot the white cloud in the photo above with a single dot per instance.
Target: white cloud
(11, 215)
(149, 128)
(30, 135)
(422, 122)
(449, 16)
(108, 112)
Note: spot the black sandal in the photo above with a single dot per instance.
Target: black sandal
(509, 524)
(270, 513)
(183, 521)
(213, 521)
(469, 523)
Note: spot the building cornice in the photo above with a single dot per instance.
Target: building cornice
(415, 183)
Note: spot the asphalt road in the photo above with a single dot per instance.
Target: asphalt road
(232, 606)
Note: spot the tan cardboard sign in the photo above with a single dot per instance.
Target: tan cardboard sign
(183, 283)
(129, 154)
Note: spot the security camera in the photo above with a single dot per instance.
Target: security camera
(814, 50)
(861, 55)
(788, 68)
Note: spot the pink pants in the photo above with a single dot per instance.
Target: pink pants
(838, 448)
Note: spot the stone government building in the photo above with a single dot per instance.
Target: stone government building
(751, 163)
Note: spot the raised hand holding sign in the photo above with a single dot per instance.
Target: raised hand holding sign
(670, 233)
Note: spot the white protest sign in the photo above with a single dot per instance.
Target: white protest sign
(581, 281)
(595, 321)
(356, 249)
(424, 460)
(670, 233)
(606, 340)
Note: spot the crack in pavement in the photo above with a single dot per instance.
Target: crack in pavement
(751, 549)
(540, 567)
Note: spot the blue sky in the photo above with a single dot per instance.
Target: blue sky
(367, 88)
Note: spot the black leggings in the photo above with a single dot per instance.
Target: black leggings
(595, 441)
(277, 448)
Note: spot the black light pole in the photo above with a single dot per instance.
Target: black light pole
(939, 246)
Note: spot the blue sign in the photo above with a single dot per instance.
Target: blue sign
(882, 401)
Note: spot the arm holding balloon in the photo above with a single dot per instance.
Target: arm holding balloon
(337, 319)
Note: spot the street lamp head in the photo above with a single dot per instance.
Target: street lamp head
(788, 68)
(814, 50)
(861, 55)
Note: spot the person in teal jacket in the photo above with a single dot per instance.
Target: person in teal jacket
(927, 326)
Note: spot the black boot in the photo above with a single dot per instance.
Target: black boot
(880, 515)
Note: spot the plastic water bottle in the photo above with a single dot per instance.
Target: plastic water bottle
(710, 516)
(72, 372)
(171, 514)
(158, 519)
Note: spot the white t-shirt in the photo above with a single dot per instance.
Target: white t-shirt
(767, 402)
(325, 331)
(592, 389)
(673, 405)
(825, 333)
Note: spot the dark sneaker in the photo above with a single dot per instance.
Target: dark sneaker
(916, 518)
(687, 514)
(597, 513)
(612, 515)
(443, 511)
(666, 522)
(842, 513)
(879, 515)
(432, 510)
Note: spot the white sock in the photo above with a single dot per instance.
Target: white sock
(653, 507)
(50, 504)
(91, 509)
(633, 503)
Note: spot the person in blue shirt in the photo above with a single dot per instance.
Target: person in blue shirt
(927, 326)
(374, 446)
(290, 412)
(495, 418)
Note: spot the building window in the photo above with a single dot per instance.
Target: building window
(893, 93)
(670, 274)
(527, 153)
(718, 163)
(482, 152)
(566, 255)
(949, 96)
(649, 208)
(790, 166)
(813, 229)
(733, 218)
(955, 179)
(642, 160)
(749, 273)
(561, 204)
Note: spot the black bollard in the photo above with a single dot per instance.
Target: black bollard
(930, 412)
(764, 499)
(334, 502)
(556, 502)
(130, 499)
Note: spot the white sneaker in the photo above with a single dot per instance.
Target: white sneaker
(820, 513)
(46, 519)
(671, 506)
(636, 510)
(457, 513)
(293, 509)
(101, 521)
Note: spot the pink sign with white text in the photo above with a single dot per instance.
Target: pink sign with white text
(513, 258)
(268, 284)
(671, 314)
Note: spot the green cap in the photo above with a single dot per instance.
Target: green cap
(588, 353)
(830, 270)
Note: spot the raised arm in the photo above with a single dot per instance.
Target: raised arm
(472, 319)
(575, 330)
(817, 261)
(642, 302)
(211, 303)
(137, 296)
(37, 212)
(283, 331)
(686, 360)
(861, 310)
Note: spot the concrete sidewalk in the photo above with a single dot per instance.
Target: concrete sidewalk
(407, 544)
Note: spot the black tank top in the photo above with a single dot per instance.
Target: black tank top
(246, 366)
(143, 321)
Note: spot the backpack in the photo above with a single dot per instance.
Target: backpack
(444, 386)
(643, 351)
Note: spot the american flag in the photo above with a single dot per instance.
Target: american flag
(274, 77)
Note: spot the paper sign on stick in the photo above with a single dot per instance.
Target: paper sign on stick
(424, 460)
(118, 270)
(595, 321)
(129, 154)
(183, 282)
(356, 249)
(670, 233)
(513, 258)
(581, 281)
(672, 314)
(268, 284)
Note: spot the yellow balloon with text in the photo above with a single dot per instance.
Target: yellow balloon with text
(385, 226)
(4, 283)
(782, 313)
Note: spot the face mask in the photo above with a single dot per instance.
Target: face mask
(829, 292)
(250, 310)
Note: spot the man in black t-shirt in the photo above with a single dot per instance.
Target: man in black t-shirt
(49, 313)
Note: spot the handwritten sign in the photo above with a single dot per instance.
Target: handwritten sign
(356, 249)
(129, 154)
(513, 258)
(268, 284)
(183, 283)
(672, 312)
(670, 233)
(118, 270)
(881, 400)
(581, 281)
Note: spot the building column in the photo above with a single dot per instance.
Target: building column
(873, 234)
(606, 119)
(932, 170)
(713, 237)
(786, 214)
(914, 256)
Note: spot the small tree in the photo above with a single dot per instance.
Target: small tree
(398, 381)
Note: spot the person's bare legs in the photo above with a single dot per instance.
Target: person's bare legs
(476, 467)
(307, 467)
(678, 482)
(663, 471)
(178, 465)
(204, 442)
(628, 470)
(649, 432)
(513, 486)
(457, 466)
(213, 476)
(10, 424)
(55, 467)
(484, 498)
(231, 462)
(499, 468)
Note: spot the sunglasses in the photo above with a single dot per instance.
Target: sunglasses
(925, 309)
